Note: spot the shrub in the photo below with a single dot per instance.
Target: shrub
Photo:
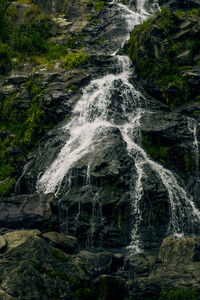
(7, 187)
(73, 60)
(6, 53)
(5, 26)
(99, 5)
(31, 38)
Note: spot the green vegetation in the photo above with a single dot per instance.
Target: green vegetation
(21, 129)
(99, 5)
(161, 62)
(178, 294)
(30, 39)
(73, 60)
(60, 255)
(22, 125)
(190, 164)
(156, 149)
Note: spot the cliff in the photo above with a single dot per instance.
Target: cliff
(99, 155)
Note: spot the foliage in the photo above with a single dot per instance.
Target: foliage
(5, 26)
(178, 294)
(6, 54)
(99, 5)
(161, 64)
(90, 3)
(22, 129)
(31, 37)
(165, 22)
(73, 60)
(6, 188)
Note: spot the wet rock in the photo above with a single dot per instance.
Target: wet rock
(184, 58)
(68, 244)
(138, 264)
(96, 263)
(110, 287)
(36, 270)
(27, 211)
(5, 296)
(178, 4)
(179, 251)
(19, 237)
(97, 209)
(3, 244)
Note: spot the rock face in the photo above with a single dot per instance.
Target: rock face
(166, 55)
(104, 234)
(34, 268)
(27, 211)
(174, 4)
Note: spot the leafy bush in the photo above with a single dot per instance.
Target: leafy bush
(7, 187)
(160, 63)
(73, 60)
(166, 21)
(31, 38)
(22, 129)
(6, 53)
(5, 26)
(99, 5)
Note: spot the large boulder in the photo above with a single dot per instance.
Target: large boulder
(68, 244)
(27, 211)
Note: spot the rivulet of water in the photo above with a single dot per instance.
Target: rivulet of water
(192, 126)
(95, 111)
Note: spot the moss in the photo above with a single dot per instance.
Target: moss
(165, 22)
(6, 54)
(178, 294)
(7, 186)
(156, 149)
(90, 4)
(23, 127)
(190, 164)
(154, 216)
(84, 294)
(99, 5)
(101, 40)
(12, 13)
(60, 255)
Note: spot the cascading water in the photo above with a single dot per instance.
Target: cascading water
(93, 113)
(192, 126)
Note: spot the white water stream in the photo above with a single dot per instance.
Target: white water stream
(93, 113)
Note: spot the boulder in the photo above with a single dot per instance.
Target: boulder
(68, 244)
(16, 238)
(27, 211)
(110, 287)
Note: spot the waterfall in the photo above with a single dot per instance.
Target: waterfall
(192, 126)
(94, 112)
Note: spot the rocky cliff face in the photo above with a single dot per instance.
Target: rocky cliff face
(106, 203)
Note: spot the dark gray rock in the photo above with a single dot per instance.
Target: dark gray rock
(3, 244)
(96, 212)
(27, 211)
(68, 244)
(181, 4)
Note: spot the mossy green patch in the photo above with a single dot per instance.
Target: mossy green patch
(156, 149)
(73, 60)
(60, 255)
(178, 294)
(99, 5)
(162, 63)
